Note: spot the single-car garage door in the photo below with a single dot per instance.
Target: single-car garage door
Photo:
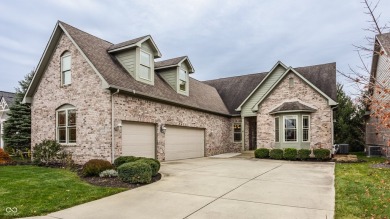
(182, 143)
(138, 139)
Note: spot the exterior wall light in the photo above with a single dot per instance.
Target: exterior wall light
(163, 129)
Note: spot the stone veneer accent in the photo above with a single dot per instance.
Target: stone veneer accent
(320, 121)
(93, 106)
(218, 129)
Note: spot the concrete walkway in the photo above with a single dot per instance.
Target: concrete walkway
(223, 188)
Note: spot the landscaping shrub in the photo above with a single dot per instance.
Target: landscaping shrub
(290, 154)
(48, 151)
(304, 154)
(276, 154)
(4, 157)
(322, 154)
(262, 153)
(135, 172)
(108, 174)
(95, 166)
(124, 159)
(153, 163)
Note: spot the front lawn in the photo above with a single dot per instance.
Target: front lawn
(31, 190)
(362, 191)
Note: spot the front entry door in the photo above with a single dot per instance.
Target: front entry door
(252, 134)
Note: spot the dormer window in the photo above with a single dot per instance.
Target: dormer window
(145, 72)
(182, 79)
(66, 62)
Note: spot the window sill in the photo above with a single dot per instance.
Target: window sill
(65, 85)
(69, 144)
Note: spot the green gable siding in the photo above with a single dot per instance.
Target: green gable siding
(127, 60)
(246, 109)
(170, 76)
(147, 47)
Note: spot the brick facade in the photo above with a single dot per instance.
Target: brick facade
(93, 106)
(320, 121)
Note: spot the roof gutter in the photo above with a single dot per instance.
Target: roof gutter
(164, 100)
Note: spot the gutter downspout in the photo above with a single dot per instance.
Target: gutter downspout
(332, 120)
(113, 126)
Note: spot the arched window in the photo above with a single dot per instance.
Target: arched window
(66, 124)
(66, 62)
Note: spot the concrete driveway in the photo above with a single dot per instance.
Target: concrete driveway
(223, 188)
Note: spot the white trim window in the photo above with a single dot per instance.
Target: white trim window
(237, 136)
(145, 66)
(66, 125)
(305, 128)
(290, 128)
(66, 74)
(182, 79)
(277, 132)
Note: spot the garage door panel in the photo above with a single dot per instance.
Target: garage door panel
(138, 139)
(182, 143)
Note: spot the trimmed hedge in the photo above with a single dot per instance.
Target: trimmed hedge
(290, 154)
(276, 154)
(153, 163)
(125, 159)
(322, 154)
(95, 166)
(135, 172)
(304, 154)
(262, 153)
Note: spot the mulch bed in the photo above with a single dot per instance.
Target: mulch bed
(381, 165)
(115, 182)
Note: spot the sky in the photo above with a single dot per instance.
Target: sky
(221, 38)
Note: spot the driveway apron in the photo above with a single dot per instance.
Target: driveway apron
(223, 188)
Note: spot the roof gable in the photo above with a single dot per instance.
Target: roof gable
(323, 76)
(135, 43)
(59, 29)
(174, 62)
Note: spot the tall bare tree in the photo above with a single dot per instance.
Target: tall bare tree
(373, 83)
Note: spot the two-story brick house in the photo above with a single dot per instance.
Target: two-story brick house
(103, 100)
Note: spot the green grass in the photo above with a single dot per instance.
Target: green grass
(362, 191)
(40, 190)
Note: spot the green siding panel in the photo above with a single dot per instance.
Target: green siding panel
(170, 76)
(246, 109)
(127, 60)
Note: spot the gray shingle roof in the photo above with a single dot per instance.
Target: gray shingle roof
(292, 106)
(234, 90)
(384, 39)
(127, 43)
(202, 96)
(169, 62)
(8, 97)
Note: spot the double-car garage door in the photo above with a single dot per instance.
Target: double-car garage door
(139, 139)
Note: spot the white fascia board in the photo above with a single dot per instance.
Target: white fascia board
(122, 48)
(254, 90)
(38, 71)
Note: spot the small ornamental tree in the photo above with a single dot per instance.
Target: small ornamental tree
(17, 128)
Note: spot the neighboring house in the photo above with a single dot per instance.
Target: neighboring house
(6, 100)
(103, 100)
(377, 131)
